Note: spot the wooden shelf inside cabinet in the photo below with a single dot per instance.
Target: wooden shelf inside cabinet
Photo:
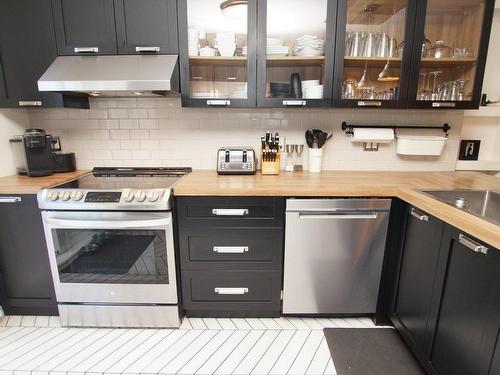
(381, 12)
(372, 62)
(447, 62)
(295, 60)
(218, 60)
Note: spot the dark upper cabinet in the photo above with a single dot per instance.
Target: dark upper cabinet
(218, 53)
(27, 48)
(371, 64)
(25, 279)
(466, 313)
(85, 27)
(146, 26)
(418, 266)
(451, 45)
(295, 53)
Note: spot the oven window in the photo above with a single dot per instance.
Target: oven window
(111, 256)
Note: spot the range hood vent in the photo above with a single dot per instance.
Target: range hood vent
(127, 75)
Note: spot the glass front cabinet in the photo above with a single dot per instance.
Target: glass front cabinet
(345, 53)
(452, 43)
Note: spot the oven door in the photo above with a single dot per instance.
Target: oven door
(111, 257)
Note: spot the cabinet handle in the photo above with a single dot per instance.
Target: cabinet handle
(10, 199)
(86, 49)
(230, 211)
(231, 78)
(231, 249)
(222, 103)
(339, 216)
(147, 49)
(233, 291)
(419, 215)
(369, 104)
(443, 105)
(294, 103)
(29, 103)
(473, 245)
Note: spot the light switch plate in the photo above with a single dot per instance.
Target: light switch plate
(469, 149)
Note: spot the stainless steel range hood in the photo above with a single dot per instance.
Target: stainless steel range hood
(126, 75)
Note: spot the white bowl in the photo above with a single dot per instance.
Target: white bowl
(207, 51)
(227, 50)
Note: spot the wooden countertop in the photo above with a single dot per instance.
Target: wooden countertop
(403, 185)
(31, 185)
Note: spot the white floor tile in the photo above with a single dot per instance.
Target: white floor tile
(268, 360)
(305, 356)
(28, 321)
(320, 359)
(212, 323)
(197, 323)
(290, 353)
(42, 321)
(213, 363)
(239, 352)
(226, 323)
(256, 353)
(241, 323)
(14, 321)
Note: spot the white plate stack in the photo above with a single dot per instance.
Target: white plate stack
(309, 45)
(275, 48)
(311, 89)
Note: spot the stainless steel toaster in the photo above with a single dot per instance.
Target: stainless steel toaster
(236, 160)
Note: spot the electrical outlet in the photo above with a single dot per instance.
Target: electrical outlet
(469, 149)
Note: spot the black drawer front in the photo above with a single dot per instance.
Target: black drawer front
(227, 290)
(230, 211)
(231, 248)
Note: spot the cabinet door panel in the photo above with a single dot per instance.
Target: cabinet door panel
(417, 275)
(27, 48)
(24, 262)
(451, 43)
(146, 23)
(84, 24)
(466, 316)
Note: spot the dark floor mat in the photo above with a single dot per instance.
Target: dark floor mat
(359, 351)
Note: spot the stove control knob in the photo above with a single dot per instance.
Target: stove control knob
(64, 196)
(140, 196)
(52, 196)
(153, 196)
(128, 196)
(76, 195)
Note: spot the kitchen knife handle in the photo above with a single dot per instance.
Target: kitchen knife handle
(473, 245)
(147, 49)
(231, 249)
(29, 103)
(231, 291)
(419, 215)
(230, 211)
(86, 49)
(10, 199)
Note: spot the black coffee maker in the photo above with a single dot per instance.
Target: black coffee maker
(38, 154)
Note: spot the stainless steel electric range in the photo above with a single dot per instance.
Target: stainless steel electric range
(111, 248)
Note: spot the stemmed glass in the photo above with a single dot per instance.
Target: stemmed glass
(435, 74)
(422, 80)
(460, 88)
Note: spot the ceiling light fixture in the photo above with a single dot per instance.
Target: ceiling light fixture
(236, 9)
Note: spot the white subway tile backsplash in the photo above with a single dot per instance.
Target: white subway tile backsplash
(159, 132)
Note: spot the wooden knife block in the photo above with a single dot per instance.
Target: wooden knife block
(270, 167)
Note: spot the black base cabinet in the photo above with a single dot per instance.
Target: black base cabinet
(26, 282)
(231, 256)
(446, 304)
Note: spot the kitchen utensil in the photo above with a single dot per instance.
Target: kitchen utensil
(369, 45)
(440, 50)
(270, 155)
(315, 159)
(426, 46)
(295, 86)
(310, 139)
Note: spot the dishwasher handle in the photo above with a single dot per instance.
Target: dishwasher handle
(338, 216)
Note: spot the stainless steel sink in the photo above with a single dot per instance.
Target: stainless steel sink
(481, 203)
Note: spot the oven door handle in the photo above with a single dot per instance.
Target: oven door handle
(88, 224)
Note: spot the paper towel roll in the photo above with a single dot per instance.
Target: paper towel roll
(373, 135)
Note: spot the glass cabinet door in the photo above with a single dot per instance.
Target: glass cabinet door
(218, 53)
(452, 45)
(295, 49)
(374, 42)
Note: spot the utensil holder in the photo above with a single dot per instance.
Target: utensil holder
(315, 159)
(270, 167)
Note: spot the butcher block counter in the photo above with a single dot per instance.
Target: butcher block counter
(16, 184)
(403, 185)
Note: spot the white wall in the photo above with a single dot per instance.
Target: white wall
(12, 122)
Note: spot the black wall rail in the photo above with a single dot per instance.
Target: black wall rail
(349, 128)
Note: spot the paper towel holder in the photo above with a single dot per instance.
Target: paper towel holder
(348, 129)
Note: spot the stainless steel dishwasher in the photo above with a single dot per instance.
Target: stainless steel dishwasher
(334, 249)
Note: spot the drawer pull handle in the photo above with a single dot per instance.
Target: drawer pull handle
(473, 245)
(230, 211)
(294, 103)
(147, 49)
(29, 103)
(443, 105)
(10, 199)
(220, 103)
(231, 249)
(369, 104)
(231, 291)
(419, 215)
(86, 49)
